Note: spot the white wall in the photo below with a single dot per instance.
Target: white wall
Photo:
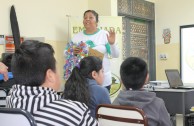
(104, 7)
(41, 18)
(47, 18)
(153, 1)
(172, 14)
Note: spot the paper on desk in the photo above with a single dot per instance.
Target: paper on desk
(160, 84)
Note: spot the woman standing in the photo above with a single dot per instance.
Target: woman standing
(99, 40)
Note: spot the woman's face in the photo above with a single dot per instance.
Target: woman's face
(89, 20)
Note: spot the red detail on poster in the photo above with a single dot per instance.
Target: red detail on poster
(9, 44)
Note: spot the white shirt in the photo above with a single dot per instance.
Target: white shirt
(99, 38)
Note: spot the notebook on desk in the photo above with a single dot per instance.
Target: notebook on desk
(174, 79)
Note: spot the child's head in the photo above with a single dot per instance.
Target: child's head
(134, 73)
(91, 67)
(33, 63)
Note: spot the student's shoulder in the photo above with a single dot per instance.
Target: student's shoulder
(101, 90)
(96, 86)
(159, 102)
(158, 99)
(72, 105)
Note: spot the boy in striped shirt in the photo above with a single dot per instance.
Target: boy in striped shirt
(37, 81)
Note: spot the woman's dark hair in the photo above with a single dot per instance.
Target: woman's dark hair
(94, 13)
(76, 87)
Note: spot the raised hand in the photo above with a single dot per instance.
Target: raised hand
(111, 36)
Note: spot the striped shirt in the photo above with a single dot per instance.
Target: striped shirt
(48, 108)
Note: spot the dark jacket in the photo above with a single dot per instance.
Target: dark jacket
(153, 106)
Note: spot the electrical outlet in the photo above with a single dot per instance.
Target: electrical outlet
(163, 56)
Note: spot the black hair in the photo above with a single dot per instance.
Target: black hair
(76, 87)
(133, 72)
(94, 13)
(31, 61)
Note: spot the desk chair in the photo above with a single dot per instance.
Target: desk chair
(112, 115)
(16, 117)
(3, 94)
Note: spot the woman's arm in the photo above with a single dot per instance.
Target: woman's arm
(114, 51)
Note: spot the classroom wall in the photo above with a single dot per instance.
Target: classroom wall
(170, 14)
(45, 18)
(104, 7)
(49, 19)
(42, 18)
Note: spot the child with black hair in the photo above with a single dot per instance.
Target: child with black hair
(84, 84)
(36, 84)
(134, 74)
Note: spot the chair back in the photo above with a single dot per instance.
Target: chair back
(3, 94)
(16, 117)
(113, 115)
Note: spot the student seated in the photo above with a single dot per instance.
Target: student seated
(134, 74)
(37, 82)
(84, 84)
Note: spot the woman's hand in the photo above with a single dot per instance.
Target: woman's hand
(76, 50)
(111, 37)
(4, 71)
